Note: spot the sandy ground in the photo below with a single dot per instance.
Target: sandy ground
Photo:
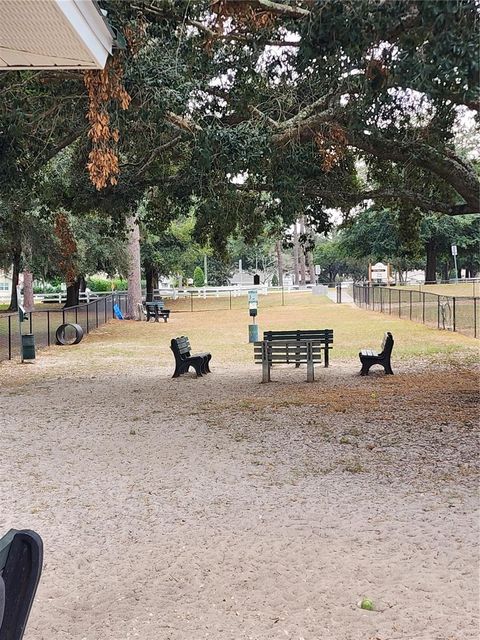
(224, 509)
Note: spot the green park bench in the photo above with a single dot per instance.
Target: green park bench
(184, 359)
(156, 309)
(368, 357)
(268, 353)
(322, 336)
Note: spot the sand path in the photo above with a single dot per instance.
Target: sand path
(224, 509)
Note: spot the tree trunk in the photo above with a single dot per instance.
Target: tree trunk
(73, 293)
(303, 272)
(28, 303)
(17, 256)
(151, 276)
(311, 267)
(431, 266)
(278, 249)
(446, 271)
(296, 274)
(134, 294)
(310, 260)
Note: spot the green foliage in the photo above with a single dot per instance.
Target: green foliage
(198, 277)
(199, 147)
(274, 280)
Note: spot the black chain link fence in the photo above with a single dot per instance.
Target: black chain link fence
(452, 313)
(44, 324)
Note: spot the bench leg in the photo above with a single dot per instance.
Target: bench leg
(310, 371)
(207, 364)
(198, 369)
(265, 370)
(388, 369)
(365, 369)
(326, 362)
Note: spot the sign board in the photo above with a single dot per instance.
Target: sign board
(454, 249)
(317, 270)
(379, 272)
(252, 296)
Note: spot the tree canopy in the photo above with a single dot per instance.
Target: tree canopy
(252, 113)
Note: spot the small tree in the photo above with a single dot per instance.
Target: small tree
(198, 277)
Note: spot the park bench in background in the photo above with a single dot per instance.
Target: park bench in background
(21, 557)
(295, 352)
(322, 336)
(184, 359)
(156, 309)
(368, 357)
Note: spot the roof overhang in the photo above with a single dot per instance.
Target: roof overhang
(53, 34)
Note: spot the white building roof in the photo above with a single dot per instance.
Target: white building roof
(46, 34)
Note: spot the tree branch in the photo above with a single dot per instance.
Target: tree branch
(155, 153)
(453, 170)
(281, 9)
(417, 199)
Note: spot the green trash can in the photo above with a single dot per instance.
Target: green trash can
(253, 332)
(28, 346)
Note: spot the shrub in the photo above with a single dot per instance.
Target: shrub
(198, 277)
(99, 284)
(274, 280)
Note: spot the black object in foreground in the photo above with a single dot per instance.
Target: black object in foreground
(21, 557)
(368, 357)
(184, 359)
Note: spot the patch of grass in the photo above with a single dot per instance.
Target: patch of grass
(354, 466)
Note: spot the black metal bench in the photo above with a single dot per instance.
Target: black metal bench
(269, 352)
(368, 357)
(156, 309)
(323, 336)
(184, 359)
(21, 557)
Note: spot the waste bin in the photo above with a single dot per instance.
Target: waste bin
(28, 346)
(253, 332)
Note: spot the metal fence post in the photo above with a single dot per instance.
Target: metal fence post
(191, 300)
(475, 317)
(9, 337)
(423, 307)
(230, 297)
(438, 312)
(453, 313)
(399, 303)
(390, 301)
(48, 328)
(411, 304)
(76, 315)
(87, 319)
(96, 312)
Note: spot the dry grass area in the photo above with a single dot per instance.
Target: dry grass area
(224, 509)
(469, 289)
